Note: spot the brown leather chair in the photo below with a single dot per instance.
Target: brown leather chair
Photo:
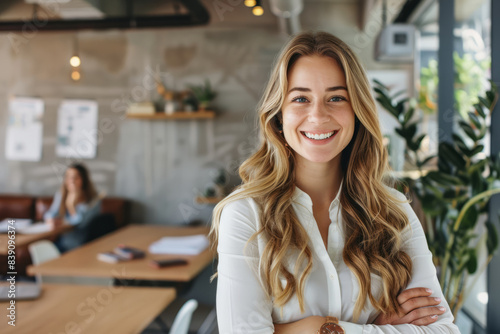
(14, 206)
(119, 207)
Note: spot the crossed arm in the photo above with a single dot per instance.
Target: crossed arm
(244, 307)
(416, 308)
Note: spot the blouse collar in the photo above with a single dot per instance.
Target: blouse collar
(303, 198)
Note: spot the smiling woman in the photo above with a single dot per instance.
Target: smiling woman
(316, 239)
(318, 120)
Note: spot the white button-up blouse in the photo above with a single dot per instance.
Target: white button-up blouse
(331, 288)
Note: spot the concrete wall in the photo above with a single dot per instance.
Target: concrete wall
(160, 165)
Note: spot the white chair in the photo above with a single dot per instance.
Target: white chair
(183, 318)
(42, 251)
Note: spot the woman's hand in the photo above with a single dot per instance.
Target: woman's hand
(416, 308)
(304, 326)
(72, 199)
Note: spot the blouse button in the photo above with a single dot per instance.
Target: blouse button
(332, 276)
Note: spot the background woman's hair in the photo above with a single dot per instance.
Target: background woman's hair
(373, 219)
(88, 190)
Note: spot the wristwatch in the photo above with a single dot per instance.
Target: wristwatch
(331, 326)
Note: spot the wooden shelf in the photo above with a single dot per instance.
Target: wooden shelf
(208, 200)
(179, 115)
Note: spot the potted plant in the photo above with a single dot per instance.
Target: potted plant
(204, 94)
(220, 182)
(454, 194)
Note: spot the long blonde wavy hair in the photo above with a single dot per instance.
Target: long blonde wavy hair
(373, 220)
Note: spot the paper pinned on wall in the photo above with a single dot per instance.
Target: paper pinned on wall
(77, 129)
(24, 130)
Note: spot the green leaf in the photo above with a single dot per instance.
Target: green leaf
(430, 205)
(460, 143)
(379, 83)
(400, 132)
(476, 182)
(444, 179)
(388, 106)
(454, 195)
(419, 139)
(448, 153)
(426, 160)
(468, 130)
(449, 194)
(492, 240)
(480, 110)
(472, 263)
(470, 218)
(491, 94)
(381, 91)
(410, 131)
(408, 115)
(485, 102)
(477, 149)
(478, 166)
(473, 118)
(444, 166)
(395, 95)
(482, 133)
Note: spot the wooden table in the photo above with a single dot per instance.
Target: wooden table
(82, 262)
(23, 240)
(88, 309)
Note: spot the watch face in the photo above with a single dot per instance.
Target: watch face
(331, 328)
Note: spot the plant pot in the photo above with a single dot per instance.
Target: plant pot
(203, 105)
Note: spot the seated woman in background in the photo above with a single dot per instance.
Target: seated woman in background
(77, 202)
(316, 240)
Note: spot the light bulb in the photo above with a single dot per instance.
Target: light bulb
(258, 11)
(75, 75)
(250, 3)
(75, 61)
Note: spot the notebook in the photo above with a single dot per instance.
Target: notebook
(188, 245)
(23, 290)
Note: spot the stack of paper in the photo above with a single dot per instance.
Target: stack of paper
(35, 228)
(16, 226)
(189, 245)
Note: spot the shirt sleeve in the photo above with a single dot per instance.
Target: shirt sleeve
(84, 211)
(423, 275)
(53, 212)
(243, 306)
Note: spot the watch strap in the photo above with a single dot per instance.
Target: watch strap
(332, 319)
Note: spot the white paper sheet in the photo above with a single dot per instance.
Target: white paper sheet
(24, 130)
(77, 129)
(19, 224)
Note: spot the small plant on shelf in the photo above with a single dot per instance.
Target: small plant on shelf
(203, 94)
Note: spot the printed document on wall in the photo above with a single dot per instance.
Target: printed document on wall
(77, 129)
(24, 129)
